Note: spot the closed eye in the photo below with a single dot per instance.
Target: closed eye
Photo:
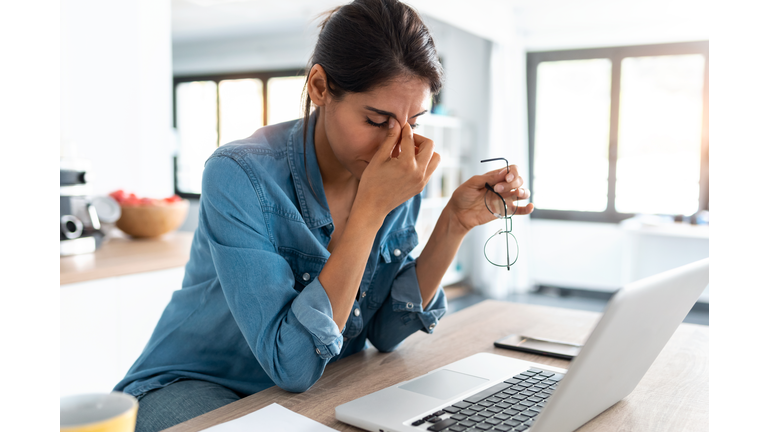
(384, 124)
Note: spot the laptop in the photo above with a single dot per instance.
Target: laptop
(497, 393)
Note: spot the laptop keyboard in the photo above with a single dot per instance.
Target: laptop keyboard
(509, 406)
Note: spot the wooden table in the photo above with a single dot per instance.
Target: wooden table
(672, 396)
(122, 255)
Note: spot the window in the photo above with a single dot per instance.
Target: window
(614, 132)
(210, 111)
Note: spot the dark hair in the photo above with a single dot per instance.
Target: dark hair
(369, 43)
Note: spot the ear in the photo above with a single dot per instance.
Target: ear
(317, 86)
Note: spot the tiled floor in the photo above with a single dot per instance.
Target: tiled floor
(459, 298)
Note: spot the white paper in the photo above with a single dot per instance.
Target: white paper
(271, 418)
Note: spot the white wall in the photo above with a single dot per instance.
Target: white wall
(272, 51)
(116, 93)
(565, 24)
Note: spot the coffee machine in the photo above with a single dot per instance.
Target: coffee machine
(80, 227)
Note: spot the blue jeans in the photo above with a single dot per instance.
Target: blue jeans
(178, 402)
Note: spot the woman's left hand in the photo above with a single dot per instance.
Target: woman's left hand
(468, 200)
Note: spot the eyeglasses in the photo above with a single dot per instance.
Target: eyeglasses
(503, 238)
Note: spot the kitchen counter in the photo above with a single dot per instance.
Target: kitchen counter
(123, 255)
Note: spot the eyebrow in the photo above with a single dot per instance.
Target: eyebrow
(387, 113)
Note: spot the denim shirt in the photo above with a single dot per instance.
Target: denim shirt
(252, 312)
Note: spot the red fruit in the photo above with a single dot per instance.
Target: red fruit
(118, 195)
(130, 201)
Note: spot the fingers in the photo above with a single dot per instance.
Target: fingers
(423, 149)
(418, 140)
(516, 208)
(407, 147)
(504, 181)
(434, 161)
(513, 206)
(393, 136)
(519, 193)
(509, 175)
(426, 152)
(524, 210)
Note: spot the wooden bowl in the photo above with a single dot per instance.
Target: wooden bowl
(152, 220)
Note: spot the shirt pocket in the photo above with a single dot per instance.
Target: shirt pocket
(393, 251)
(398, 245)
(305, 267)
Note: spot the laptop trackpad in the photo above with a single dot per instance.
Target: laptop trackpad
(443, 384)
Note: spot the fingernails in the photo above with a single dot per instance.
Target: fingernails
(510, 178)
(503, 170)
(391, 122)
(498, 188)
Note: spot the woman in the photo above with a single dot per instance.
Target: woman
(305, 229)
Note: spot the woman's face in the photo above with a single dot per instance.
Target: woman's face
(357, 125)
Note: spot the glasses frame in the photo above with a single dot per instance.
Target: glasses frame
(507, 231)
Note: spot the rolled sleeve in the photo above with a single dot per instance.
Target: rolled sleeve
(404, 314)
(314, 311)
(406, 297)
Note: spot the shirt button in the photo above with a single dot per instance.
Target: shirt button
(305, 276)
(317, 350)
(357, 312)
(364, 293)
(397, 252)
(431, 326)
(409, 305)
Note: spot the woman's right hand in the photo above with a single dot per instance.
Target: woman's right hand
(390, 181)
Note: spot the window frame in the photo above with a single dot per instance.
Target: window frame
(264, 76)
(615, 55)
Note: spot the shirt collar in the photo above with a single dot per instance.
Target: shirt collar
(314, 207)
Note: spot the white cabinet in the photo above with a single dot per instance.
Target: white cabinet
(105, 324)
(649, 250)
(605, 257)
(88, 336)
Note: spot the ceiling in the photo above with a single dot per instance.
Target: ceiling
(215, 19)
(540, 21)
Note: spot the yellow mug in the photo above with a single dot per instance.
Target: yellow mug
(101, 412)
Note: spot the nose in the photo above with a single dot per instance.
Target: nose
(401, 123)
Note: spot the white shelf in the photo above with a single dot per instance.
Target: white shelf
(670, 230)
(448, 134)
